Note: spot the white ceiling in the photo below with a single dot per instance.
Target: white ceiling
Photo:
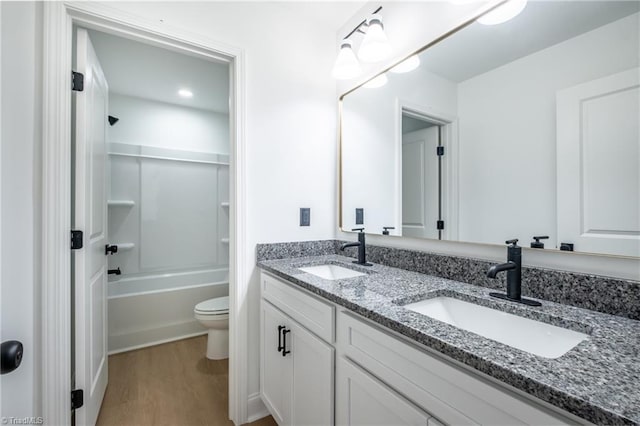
(331, 14)
(480, 48)
(141, 70)
(137, 69)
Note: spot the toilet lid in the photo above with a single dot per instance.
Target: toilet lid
(218, 305)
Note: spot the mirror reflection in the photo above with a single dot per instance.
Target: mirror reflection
(527, 128)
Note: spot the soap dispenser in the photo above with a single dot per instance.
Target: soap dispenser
(537, 243)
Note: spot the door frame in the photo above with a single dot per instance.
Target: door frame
(58, 21)
(450, 176)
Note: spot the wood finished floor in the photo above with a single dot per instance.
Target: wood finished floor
(172, 384)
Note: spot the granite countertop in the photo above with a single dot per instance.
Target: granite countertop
(598, 380)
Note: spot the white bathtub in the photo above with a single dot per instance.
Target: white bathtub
(148, 310)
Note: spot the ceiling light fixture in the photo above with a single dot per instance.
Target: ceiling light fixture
(347, 65)
(185, 93)
(503, 13)
(374, 83)
(374, 47)
(409, 64)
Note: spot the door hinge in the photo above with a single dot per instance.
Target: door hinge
(440, 225)
(76, 240)
(77, 399)
(440, 150)
(77, 81)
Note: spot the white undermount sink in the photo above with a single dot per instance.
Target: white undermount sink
(538, 338)
(331, 272)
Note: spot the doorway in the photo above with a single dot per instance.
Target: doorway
(150, 190)
(59, 19)
(421, 177)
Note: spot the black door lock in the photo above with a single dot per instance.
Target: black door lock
(11, 356)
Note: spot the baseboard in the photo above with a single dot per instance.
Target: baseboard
(157, 342)
(256, 408)
(163, 334)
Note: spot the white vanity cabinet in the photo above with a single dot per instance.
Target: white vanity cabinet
(361, 399)
(442, 391)
(374, 375)
(296, 365)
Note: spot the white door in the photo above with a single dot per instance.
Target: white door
(599, 165)
(90, 216)
(420, 183)
(275, 369)
(362, 400)
(312, 375)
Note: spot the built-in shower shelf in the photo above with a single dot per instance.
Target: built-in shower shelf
(125, 246)
(121, 203)
(224, 204)
(224, 240)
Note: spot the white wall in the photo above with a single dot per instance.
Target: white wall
(290, 117)
(508, 126)
(20, 152)
(164, 125)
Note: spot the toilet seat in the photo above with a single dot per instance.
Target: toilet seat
(216, 306)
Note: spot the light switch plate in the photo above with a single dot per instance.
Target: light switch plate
(305, 216)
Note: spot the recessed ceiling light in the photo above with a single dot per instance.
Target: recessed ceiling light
(185, 93)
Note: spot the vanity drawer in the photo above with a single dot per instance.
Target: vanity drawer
(311, 312)
(450, 393)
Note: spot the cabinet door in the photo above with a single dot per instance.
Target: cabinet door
(275, 369)
(312, 364)
(361, 399)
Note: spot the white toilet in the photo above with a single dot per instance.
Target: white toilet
(214, 314)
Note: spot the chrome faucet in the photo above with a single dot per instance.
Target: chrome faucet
(362, 254)
(514, 275)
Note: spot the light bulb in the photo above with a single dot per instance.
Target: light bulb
(379, 81)
(503, 13)
(375, 45)
(347, 65)
(409, 64)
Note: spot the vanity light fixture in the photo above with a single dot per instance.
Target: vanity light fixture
(379, 81)
(503, 13)
(409, 64)
(347, 65)
(374, 47)
(185, 93)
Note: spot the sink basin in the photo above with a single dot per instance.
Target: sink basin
(331, 272)
(538, 338)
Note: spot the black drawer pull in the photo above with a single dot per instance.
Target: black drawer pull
(280, 345)
(284, 342)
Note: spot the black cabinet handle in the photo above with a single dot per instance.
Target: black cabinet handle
(114, 271)
(280, 345)
(284, 342)
(11, 356)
